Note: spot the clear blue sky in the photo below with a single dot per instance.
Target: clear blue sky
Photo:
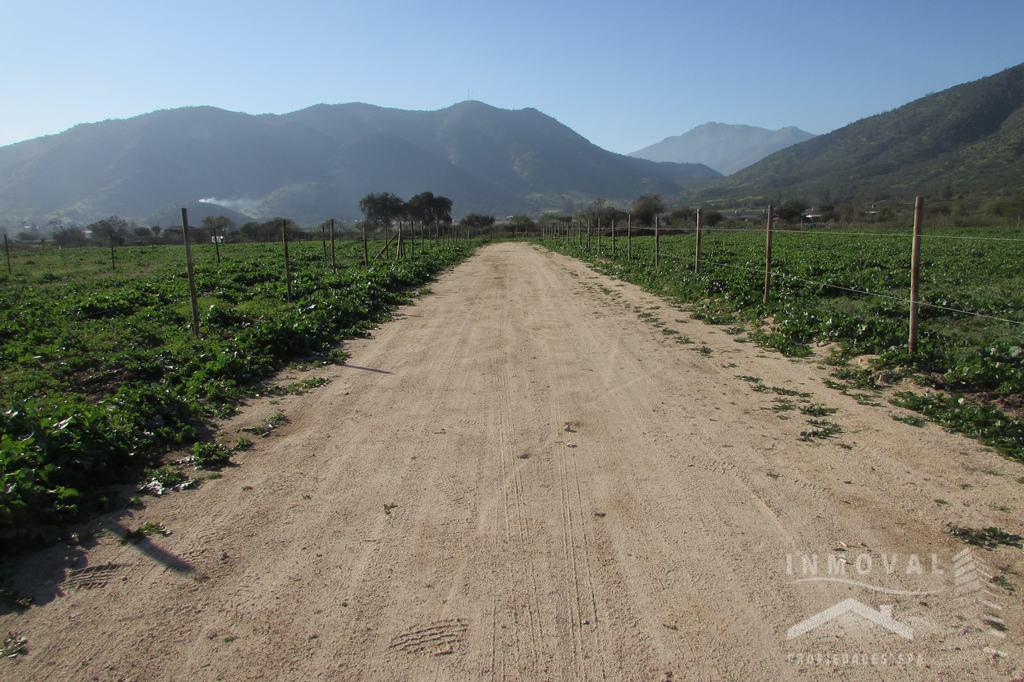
(623, 74)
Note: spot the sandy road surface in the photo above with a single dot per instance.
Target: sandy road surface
(527, 476)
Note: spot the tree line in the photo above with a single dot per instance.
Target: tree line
(121, 232)
(642, 213)
(383, 209)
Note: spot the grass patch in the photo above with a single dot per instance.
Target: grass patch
(855, 377)
(989, 538)
(299, 387)
(987, 424)
(821, 429)
(793, 393)
(782, 405)
(817, 410)
(210, 455)
(144, 531)
(267, 427)
(1002, 581)
(14, 645)
(165, 478)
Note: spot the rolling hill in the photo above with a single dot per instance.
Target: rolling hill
(724, 147)
(319, 162)
(968, 139)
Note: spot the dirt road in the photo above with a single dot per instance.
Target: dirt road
(536, 472)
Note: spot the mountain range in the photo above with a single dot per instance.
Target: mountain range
(319, 162)
(967, 140)
(724, 147)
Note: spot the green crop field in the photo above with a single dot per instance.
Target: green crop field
(852, 290)
(100, 373)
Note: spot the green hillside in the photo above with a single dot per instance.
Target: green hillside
(964, 141)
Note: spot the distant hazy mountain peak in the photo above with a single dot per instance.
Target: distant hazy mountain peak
(725, 147)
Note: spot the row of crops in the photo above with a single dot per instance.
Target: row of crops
(100, 374)
(852, 290)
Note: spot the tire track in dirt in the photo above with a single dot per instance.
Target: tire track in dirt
(575, 534)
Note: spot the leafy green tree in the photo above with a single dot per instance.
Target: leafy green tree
(421, 208)
(522, 223)
(442, 210)
(646, 207)
(601, 211)
(430, 209)
(791, 210)
(712, 218)
(269, 231)
(382, 208)
(682, 216)
(477, 220)
(113, 228)
(69, 236)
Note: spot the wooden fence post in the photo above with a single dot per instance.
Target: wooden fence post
(7, 251)
(366, 253)
(323, 240)
(112, 266)
(915, 275)
(768, 254)
(629, 236)
(191, 273)
(334, 260)
(657, 241)
(216, 242)
(287, 264)
(613, 237)
(588, 235)
(696, 253)
(399, 248)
